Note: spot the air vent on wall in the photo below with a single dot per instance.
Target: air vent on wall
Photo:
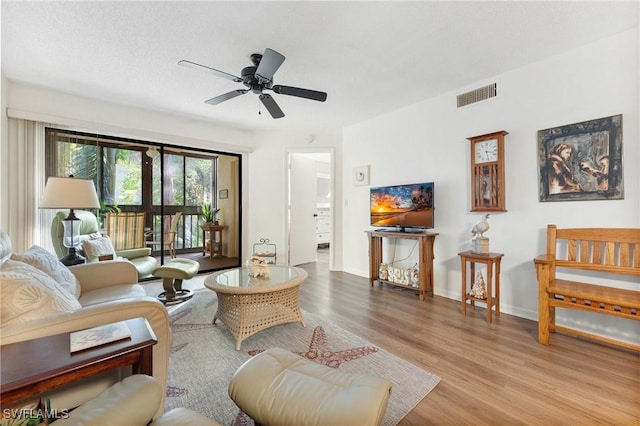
(478, 95)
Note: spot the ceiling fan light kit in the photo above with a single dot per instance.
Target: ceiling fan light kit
(153, 152)
(257, 79)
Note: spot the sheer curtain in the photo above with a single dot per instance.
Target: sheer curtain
(23, 167)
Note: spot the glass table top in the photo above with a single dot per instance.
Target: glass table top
(239, 279)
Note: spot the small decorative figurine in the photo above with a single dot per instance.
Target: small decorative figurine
(479, 287)
(257, 267)
(480, 228)
(480, 243)
(415, 277)
(383, 271)
(405, 276)
(390, 274)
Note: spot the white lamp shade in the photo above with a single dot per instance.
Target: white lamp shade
(69, 193)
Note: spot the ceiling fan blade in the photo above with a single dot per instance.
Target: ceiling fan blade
(301, 93)
(226, 97)
(219, 73)
(269, 64)
(271, 106)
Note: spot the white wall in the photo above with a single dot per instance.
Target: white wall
(228, 168)
(267, 185)
(428, 142)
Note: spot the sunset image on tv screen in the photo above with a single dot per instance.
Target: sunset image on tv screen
(402, 205)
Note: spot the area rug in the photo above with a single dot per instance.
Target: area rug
(203, 360)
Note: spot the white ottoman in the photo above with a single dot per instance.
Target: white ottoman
(277, 387)
(173, 273)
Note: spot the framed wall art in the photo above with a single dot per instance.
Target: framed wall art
(361, 175)
(223, 193)
(582, 161)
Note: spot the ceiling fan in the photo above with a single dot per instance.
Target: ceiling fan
(259, 78)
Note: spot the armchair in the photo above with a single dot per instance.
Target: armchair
(126, 231)
(106, 292)
(141, 259)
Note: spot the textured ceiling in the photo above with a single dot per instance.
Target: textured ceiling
(371, 57)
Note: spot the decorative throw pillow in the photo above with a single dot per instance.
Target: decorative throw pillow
(45, 261)
(27, 293)
(96, 248)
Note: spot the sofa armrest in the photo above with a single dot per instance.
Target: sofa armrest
(93, 276)
(104, 313)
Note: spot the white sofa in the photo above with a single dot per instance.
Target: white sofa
(94, 294)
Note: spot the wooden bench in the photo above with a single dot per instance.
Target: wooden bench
(600, 250)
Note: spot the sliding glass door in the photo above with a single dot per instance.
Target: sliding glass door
(169, 184)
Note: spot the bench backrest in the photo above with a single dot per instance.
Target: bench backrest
(612, 250)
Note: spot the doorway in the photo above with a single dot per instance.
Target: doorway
(310, 201)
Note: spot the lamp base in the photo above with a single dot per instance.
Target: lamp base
(72, 259)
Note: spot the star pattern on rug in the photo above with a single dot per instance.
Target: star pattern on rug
(173, 391)
(320, 351)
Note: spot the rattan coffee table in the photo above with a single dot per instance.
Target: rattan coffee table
(247, 305)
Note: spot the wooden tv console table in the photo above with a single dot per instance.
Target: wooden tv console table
(425, 257)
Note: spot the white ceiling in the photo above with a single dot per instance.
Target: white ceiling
(371, 57)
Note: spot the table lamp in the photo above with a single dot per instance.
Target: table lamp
(70, 193)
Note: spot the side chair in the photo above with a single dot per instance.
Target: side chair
(169, 236)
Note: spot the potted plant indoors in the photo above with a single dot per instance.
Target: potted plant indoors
(209, 214)
(104, 210)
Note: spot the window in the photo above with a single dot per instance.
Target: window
(123, 182)
(127, 179)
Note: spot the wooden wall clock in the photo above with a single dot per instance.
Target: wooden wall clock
(487, 172)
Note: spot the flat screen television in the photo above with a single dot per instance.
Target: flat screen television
(404, 207)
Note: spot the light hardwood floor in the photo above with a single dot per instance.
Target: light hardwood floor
(495, 373)
(491, 374)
